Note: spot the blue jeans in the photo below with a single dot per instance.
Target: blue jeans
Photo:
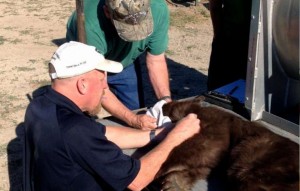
(126, 86)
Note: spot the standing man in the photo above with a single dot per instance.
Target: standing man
(231, 26)
(66, 149)
(122, 30)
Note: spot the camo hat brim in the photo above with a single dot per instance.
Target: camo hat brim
(132, 18)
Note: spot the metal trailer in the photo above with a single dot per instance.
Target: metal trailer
(272, 89)
(271, 92)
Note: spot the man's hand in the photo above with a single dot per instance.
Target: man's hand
(140, 121)
(144, 122)
(185, 128)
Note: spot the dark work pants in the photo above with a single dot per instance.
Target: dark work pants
(228, 60)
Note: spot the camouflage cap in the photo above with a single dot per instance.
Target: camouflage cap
(132, 18)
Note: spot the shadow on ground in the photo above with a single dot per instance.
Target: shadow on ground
(185, 82)
(14, 157)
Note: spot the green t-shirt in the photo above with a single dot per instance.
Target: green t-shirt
(101, 33)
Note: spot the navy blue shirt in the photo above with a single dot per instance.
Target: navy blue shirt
(68, 150)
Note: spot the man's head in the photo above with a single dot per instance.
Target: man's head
(75, 58)
(78, 71)
(132, 18)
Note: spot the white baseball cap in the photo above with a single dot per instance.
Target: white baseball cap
(75, 58)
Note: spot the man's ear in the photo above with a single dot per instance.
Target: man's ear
(106, 11)
(82, 85)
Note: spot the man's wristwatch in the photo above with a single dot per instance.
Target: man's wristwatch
(152, 134)
(165, 98)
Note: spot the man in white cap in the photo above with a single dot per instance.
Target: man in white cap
(66, 149)
(122, 30)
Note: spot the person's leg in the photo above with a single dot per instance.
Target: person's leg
(236, 57)
(217, 66)
(228, 61)
(124, 86)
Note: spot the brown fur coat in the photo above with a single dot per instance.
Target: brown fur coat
(255, 158)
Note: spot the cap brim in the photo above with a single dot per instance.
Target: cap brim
(136, 32)
(110, 66)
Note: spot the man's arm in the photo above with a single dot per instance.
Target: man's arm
(152, 161)
(158, 74)
(128, 138)
(111, 104)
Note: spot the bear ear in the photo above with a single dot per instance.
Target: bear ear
(166, 108)
(198, 99)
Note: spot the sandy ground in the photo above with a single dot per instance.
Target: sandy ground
(29, 33)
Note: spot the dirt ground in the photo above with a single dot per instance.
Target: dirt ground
(29, 34)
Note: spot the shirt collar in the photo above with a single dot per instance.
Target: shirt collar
(57, 98)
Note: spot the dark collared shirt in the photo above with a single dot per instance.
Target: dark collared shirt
(68, 150)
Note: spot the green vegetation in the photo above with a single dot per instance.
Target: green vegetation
(182, 17)
(2, 39)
